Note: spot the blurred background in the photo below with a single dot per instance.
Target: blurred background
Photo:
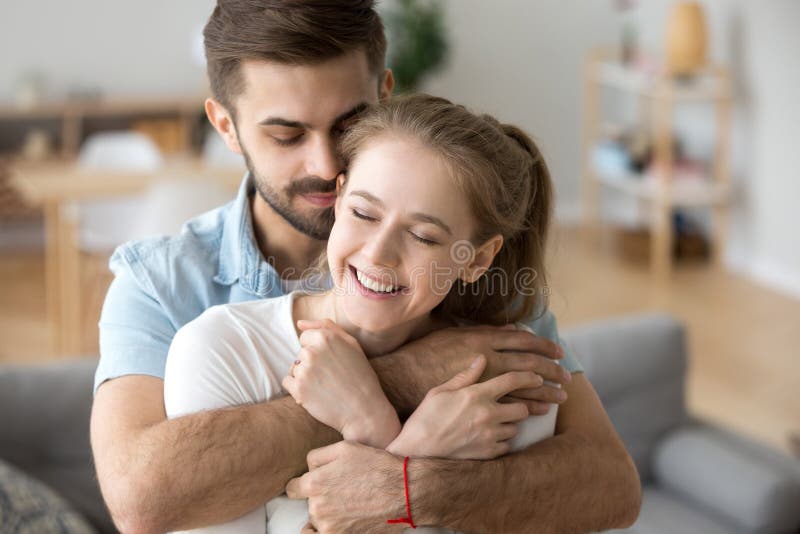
(670, 130)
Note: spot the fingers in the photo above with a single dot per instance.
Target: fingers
(534, 407)
(289, 383)
(467, 377)
(541, 365)
(308, 529)
(522, 341)
(298, 488)
(500, 386)
(317, 332)
(324, 455)
(499, 449)
(551, 394)
(512, 412)
(306, 324)
(507, 431)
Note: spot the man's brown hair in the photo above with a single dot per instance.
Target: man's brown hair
(292, 32)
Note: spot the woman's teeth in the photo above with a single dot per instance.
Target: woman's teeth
(373, 285)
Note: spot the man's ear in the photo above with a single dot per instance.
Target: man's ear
(483, 259)
(222, 122)
(387, 85)
(341, 179)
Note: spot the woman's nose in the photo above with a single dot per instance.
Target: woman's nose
(381, 248)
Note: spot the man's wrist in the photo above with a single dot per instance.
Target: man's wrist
(425, 493)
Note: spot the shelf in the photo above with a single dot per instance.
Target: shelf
(706, 86)
(676, 192)
(117, 106)
(669, 184)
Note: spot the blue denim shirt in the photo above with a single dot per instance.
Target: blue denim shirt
(163, 283)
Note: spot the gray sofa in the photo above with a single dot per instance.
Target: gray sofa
(696, 478)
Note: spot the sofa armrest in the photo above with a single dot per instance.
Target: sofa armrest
(44, 430)
(746, 483)
(44, 411)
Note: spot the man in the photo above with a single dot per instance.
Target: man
(287, 78)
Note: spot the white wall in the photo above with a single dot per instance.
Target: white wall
(521, 60)
(758, 40)
(517, 59)
(117, 47)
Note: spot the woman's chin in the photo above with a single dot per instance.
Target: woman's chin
(369, 321)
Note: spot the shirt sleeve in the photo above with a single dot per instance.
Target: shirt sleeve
(216, 361)
(547, 326)
(135, 331)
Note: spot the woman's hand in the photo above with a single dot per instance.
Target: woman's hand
(336, 384)
(464, 420)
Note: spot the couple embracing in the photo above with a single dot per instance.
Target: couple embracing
(360, 341)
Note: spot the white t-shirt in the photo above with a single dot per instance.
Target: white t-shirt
(237, 354)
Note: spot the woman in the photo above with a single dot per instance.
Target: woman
(441, 221)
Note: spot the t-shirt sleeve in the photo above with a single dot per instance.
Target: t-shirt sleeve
(547, 326)
(214, 362)
(135, 331)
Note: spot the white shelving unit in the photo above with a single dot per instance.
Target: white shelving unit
(658, 94)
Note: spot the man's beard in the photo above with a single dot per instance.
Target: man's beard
(317, 225)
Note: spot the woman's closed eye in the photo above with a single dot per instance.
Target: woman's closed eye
(423, 240)
(420, 239)
(363, 216)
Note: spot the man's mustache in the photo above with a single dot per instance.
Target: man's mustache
(311, 184)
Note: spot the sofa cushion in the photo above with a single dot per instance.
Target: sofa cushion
(28, 506)
(732, 477)
(663, 512)
(637, 365)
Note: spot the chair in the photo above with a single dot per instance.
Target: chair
(97, 227)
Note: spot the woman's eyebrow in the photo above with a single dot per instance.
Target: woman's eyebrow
(422, 217)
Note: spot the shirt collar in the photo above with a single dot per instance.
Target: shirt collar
(239, 256)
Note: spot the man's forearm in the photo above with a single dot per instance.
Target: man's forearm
(562, 484)
(402, 381)
(211, 467)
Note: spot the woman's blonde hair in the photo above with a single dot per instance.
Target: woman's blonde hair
(506, 181)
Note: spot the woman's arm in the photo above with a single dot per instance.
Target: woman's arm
(333, 380)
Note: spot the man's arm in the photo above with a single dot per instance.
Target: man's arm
(581, 480)
(205, 468)
(210, 467)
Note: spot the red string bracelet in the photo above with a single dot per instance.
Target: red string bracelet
(408, 502)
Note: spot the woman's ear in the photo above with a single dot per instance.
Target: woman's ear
(484, 256)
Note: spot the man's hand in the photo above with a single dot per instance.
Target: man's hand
(351, 488)
(436, 358)
(463, 420)
(585, 467)
(335, 383)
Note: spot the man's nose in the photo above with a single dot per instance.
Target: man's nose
(324, 160)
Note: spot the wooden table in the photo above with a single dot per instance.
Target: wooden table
(55, 186)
